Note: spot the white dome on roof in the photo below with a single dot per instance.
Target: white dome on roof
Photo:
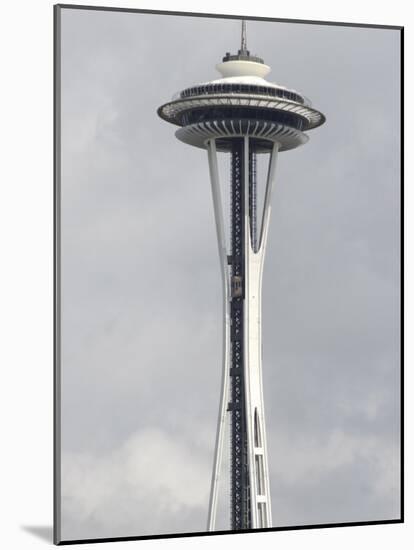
(238, 67)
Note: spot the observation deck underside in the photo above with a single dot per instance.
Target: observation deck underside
(262, 134)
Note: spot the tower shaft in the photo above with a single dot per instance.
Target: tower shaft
(242, 391)
(240, 485)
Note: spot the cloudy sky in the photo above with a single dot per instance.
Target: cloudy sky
(141, 294)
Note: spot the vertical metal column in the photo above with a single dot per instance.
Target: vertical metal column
(253, 198)
(240, 486)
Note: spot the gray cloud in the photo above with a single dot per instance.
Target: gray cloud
(141, 297)
(144, 486)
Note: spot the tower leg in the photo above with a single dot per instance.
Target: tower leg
(261, 514)
(221, 239)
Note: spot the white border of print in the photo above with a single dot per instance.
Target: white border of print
(26, 297)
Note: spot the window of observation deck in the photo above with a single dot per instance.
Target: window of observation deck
(206, 89)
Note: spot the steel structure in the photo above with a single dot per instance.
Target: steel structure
(242, 114)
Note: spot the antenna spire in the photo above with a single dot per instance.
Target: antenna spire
(243, 37)
(243, 53)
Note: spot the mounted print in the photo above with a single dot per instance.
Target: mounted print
(227, 274)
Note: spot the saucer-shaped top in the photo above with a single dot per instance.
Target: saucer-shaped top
(241, 101)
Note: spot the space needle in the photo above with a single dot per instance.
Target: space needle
(244, 115)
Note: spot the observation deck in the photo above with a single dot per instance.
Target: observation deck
(241, 103)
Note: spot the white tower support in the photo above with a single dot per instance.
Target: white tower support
(221, 239)
(261, 513)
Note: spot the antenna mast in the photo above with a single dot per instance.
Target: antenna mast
(243, 37)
